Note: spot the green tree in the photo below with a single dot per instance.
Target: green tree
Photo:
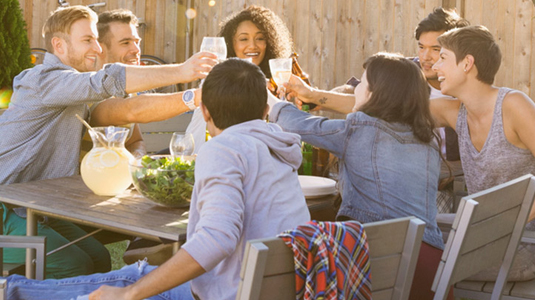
(14, 46)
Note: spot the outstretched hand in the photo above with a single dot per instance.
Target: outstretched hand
(198, 66)
(301, 92)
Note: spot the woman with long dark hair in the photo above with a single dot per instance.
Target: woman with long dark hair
(389, 159)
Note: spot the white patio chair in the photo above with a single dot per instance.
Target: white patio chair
(29, 242)
(485, 232)
(268, 267)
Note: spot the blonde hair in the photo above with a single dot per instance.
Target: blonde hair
(60, 21)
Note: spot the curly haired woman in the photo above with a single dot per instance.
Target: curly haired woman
(258, 33)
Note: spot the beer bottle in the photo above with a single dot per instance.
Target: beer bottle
(297, 71)
(307, 152)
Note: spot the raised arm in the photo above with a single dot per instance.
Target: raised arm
(342, 103)
(140, 109)
(142, 78)
(445, 111)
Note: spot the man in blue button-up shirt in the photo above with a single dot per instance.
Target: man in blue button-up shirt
(40, 136)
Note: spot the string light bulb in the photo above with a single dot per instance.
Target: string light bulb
(191, 13)
(211, 2)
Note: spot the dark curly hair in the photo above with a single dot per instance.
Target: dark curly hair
(278, 40)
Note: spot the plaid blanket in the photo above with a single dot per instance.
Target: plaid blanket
(331, 260)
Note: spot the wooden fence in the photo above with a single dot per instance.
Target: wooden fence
(162, 28)
(333, 37)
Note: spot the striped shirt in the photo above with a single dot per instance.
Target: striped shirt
(39, 134)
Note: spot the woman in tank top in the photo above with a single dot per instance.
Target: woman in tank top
(495, 125)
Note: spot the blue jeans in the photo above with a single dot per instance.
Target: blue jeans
(20, 287)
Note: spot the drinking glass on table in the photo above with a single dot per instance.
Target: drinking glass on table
(281, 71)
(182, 144)
(215, 45)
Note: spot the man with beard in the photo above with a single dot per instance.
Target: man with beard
(40, 136)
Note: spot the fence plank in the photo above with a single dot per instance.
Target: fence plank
(522, 38)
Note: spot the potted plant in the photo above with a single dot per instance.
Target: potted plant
(14, 47)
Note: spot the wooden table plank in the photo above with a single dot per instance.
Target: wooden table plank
(69, 198)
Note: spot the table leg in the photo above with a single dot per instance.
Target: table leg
(31, 230)
(176, 247)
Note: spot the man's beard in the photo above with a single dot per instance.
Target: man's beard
(78, 62)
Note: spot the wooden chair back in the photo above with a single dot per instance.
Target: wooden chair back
(268, 267)
(157, 135)
(486, 231)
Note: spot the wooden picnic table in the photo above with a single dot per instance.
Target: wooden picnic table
(130, 213)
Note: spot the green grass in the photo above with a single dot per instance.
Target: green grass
(116, 251)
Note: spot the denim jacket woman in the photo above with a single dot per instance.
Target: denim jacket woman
(385, 171)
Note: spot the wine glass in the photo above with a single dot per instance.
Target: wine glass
(182, 144)
(281, 71)
(215, 45)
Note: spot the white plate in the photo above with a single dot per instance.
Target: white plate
(314, 186)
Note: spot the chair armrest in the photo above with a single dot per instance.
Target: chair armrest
(34, 242)
(528, 237)
(444, 222)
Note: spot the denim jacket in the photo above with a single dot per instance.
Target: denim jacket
(385, 171)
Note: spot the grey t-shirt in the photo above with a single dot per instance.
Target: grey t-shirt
(498, 161)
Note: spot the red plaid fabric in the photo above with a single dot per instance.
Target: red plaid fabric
(331, 260)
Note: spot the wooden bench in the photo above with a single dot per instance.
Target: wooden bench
(157, 135)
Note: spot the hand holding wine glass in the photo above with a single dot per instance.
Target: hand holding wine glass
(182, 144)
(215, 45)
(281, 71)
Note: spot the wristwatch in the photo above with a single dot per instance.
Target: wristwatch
(189, 98)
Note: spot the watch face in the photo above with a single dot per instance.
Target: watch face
(188, 95)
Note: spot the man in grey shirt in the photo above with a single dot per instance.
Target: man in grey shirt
(40, 136)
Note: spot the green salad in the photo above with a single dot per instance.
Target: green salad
(165, 180)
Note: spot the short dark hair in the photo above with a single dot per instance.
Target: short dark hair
(400, 93)
(478, 42)
(235, 92)
(278, 41)
(440, 20)
(117, 15)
